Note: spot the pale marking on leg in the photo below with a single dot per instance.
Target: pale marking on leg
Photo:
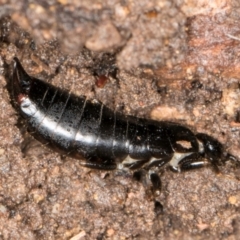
(152, 160)
(177, 157)
(127, 161)
(200, 147)
(150, 172)
(120, 166)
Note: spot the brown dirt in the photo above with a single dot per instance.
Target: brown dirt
(172, 60)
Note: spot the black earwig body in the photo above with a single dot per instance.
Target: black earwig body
(87, 129)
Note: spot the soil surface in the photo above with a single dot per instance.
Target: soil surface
(164, 60)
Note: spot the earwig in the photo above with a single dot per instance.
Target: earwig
(104, 139)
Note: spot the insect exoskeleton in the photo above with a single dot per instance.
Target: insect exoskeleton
(104, 139)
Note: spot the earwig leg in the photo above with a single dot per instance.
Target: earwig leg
(155, 187)
(232, 159)
(138, 175)
(157, 162)
(135, 165)
(195, 161)
(190, 162)
(99, 166)
(158, 208)
(229, 157)
(192, 165)
(156, 182)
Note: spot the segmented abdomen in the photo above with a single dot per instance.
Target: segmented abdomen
(88, 128)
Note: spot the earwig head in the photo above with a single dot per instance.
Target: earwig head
(21, 81)
(212, 149)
